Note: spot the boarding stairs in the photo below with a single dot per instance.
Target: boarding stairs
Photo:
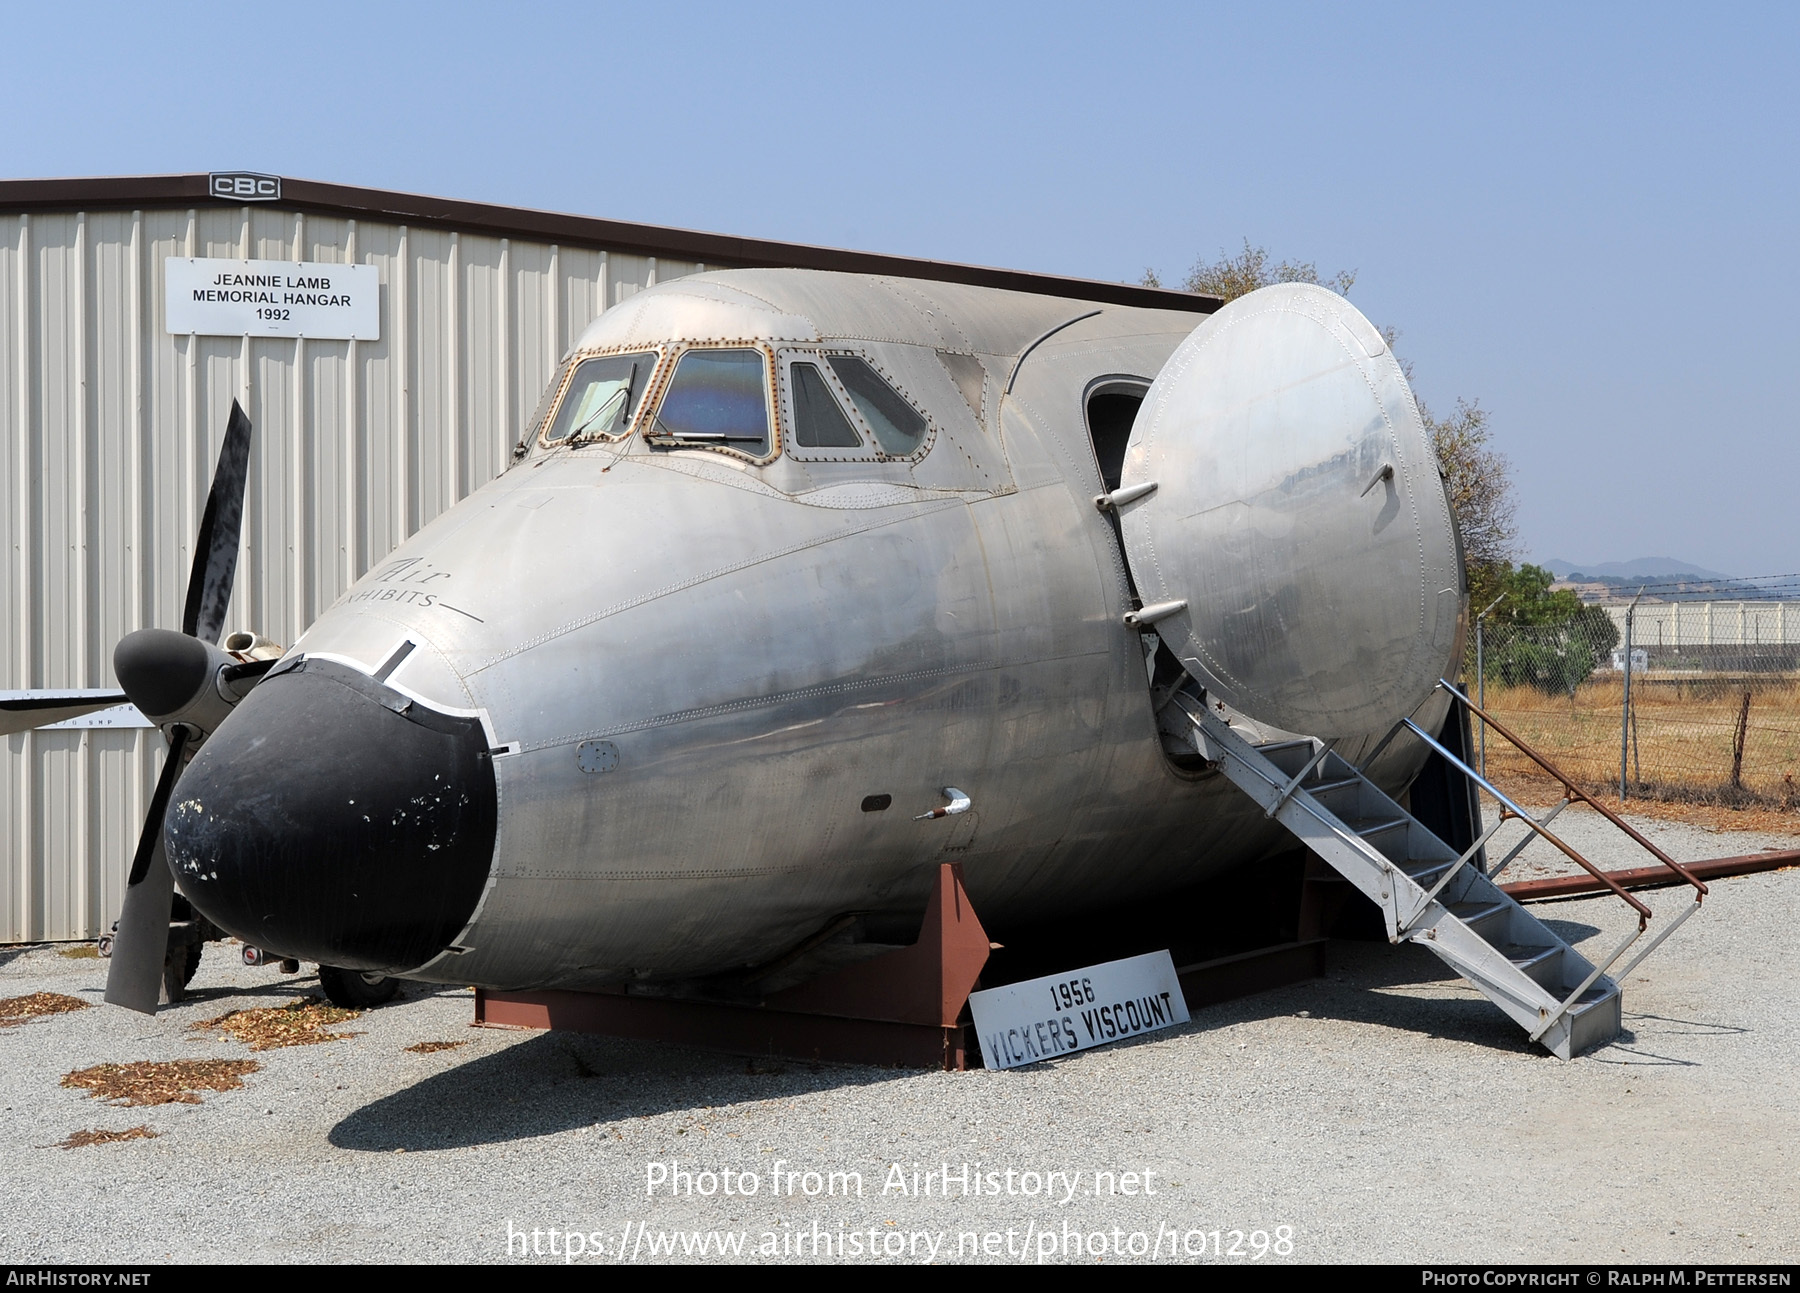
(1430, 893)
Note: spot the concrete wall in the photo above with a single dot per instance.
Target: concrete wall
(1707, 624)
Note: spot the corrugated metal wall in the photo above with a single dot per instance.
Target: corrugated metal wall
(1711, 623)
(111, 427)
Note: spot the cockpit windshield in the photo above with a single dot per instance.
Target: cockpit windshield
(602, 397)
(717, 398)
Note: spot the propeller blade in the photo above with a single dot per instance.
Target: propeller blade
(134, 977)
(40, 709)
(221, 530)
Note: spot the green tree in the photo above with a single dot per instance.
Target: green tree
(1539, 636)
(1231, 276)
(1479, 481)
(1528, 598)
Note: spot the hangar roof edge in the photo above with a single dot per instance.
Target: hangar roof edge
(728, 251)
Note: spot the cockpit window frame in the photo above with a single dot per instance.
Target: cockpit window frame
(572, 365)
(665, 375)
(867, 451)
(871, 450)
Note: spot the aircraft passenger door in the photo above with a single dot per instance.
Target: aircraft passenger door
(1282, 515)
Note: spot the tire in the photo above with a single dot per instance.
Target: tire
(194, 951)
(354, 990)
(178, 970)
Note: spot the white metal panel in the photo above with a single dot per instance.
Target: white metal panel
(110, 427)
(582, 281)
(1711, 623)
(19, 782)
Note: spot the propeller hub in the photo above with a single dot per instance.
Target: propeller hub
(174, 678)
(162, 670)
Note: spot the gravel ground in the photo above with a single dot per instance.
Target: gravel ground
(1602, 843)
(1385, 1113)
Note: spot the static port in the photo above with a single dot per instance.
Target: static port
(876, 803)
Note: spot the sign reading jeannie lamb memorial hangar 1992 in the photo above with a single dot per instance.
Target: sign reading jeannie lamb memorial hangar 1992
(272, 298)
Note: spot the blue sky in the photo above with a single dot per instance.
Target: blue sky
(1584, 218)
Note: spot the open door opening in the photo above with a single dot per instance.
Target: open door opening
(1112, 409)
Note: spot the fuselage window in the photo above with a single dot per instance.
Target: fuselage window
(818, 421)
(717, 398)
(897, 425)
(602, 397)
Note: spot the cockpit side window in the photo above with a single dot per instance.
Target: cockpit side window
(897, 425)
(818, 421)
(601, 398)
(716, 399)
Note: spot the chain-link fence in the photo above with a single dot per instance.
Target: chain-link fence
(1714, 701)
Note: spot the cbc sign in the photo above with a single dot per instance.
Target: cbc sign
(245, 186)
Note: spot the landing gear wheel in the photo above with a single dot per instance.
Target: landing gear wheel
(354, 990)
(178, 970)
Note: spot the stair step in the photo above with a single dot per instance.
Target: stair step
(1522, 956)
(1475, 914)
(1276, 747)
(1594, 996)
(1541, 963)
(1595, 1020)
(1389, 837)
(1373, 836)
(1288, 756)
(1342, 799)
(1427, 875)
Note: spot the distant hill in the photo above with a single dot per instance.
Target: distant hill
(1681, 588)
(1640, 568)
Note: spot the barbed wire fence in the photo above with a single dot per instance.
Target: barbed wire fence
(1702, 706)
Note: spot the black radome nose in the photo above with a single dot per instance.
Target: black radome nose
(330, 819)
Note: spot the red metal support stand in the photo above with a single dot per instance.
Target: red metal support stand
(903, 1007)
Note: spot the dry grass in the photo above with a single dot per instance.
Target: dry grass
(1712, 816)
(82, 1139)
(1683, 749)
(432, 1048)
(299, 1023)
(19, 1010)
(81, 952)
(148, 1082)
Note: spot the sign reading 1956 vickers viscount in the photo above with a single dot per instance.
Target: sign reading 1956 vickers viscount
(272, 298)
(1022, 1023)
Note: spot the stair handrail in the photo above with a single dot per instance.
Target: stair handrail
(1573, 791)
(1507, 805)
(1643, 912)
(1285, 788)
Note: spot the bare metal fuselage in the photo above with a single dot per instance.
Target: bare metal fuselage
(696, 669)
